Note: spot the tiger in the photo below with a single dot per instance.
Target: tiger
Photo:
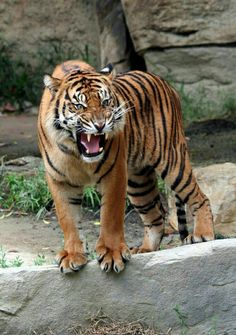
(118, 132)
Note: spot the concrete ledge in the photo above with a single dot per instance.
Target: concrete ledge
(198, 279)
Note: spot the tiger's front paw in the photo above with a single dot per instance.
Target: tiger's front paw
(110, 258)
(69, 262)
(196, 238)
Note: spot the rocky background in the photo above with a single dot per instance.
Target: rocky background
(191, 42)
(34, 27)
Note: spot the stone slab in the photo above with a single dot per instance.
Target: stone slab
(199, 280)
(174, 23)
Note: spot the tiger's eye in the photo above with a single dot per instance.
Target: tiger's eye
(78, 106)
(105, 102)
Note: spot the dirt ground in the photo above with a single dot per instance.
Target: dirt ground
(24, 236)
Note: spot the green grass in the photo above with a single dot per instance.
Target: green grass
(27, 194)
(30, 194)
(182, 320)
(91, 198)
(198, 106)
(40, 260)
(5, 263)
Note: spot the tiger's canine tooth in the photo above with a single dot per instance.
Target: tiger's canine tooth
(87, 151)
(100, 149)
(88, 137)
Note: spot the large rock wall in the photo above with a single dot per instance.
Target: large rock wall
(33, 25)
(189, 42)
(197, 281)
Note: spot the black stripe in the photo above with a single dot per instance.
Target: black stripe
(49, 160)
(204, 201)
(157, 79)
(154, 201)
(64, 149)
(67, 97)
(147, 208)
(160, 217)
(179, 177)
(106, 154)
(137, 94)
(155, 165)
(111, 167)
(75, 201)
(165, 171)
(146, 170)
(182, 221)
(77, 82)
(43, 133)
(187, 183)
(140, 194)
(51, 164)
(136, 185)
(131, 116)
(185, 200)
(64, 108)
(57, 108)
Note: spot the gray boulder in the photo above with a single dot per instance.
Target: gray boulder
(196, 283)
(163, 24)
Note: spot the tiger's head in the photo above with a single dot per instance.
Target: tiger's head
(86, 109)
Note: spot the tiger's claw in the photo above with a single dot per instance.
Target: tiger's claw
(113, 259)
(70, 262)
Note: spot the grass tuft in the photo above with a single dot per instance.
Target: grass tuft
(27, 194)
(5, 263)
(40, 260)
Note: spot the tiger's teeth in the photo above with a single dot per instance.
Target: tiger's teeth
(87, 151)
(100, 149)
(106, 136)
(88, 137)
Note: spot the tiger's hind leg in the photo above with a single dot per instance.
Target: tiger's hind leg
(181, 215)
(182, 180)
(144, 196)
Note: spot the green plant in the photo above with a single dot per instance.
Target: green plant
(182, 319)
(40, 260)
(21, 81)
(3, 260)
(229, 106)
(4, 263)
(29, 194)
(195, 106)
(91, 198)
(16, 262)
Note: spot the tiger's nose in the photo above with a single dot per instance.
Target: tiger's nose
(99, 125)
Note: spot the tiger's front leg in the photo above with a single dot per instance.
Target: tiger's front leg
(67, 199)
(111, 249)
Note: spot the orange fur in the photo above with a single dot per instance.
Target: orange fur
(141, 115)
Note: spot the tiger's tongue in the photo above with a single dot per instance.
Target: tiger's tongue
(93, 145)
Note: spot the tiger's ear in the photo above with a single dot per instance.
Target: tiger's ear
(109, 70)
(51, 83)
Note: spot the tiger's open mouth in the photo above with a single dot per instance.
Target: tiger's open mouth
(91, 146)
